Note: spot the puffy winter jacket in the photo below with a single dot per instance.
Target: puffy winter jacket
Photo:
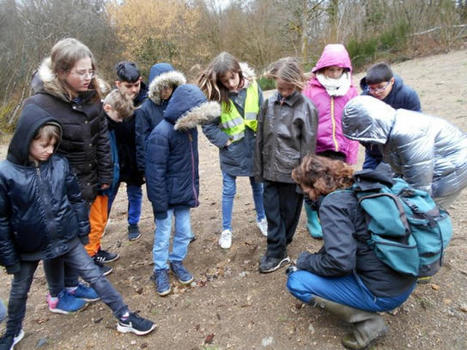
(286, 133)
(429, 152)
(41, 208)
(151, 111)
(85, 141)
(330, 108)
(172, 176)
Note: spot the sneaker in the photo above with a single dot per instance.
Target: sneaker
(104, 269)
(263, 226)
(184, 277)
(161, 279)
(104, 257)
(133, 232)
(9, 342)
(18, 337)
(65, 304)
(225, 241)
(270, 264)
(135, 324)
(84, 292)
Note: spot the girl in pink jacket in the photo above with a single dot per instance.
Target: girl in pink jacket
(330, 88)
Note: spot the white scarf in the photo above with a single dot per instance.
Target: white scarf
(335, 87)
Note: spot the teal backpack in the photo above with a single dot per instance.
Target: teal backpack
(408, 231)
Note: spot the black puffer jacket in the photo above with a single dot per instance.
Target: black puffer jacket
(85, 142)
(41, 208)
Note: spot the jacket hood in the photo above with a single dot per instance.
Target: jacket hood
(367, 119)
(162, 75)
(45, 80)
(31, 119)
(189, 107)
(333, 55)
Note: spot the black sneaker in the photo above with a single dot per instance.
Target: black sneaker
(270, 264)
(7, 342)
(105, 270)
(133, 232)
(135, 324)
(105, 257)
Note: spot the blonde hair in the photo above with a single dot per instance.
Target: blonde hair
(64, 55)
(120, 103)
(209, 79)
(289, 70)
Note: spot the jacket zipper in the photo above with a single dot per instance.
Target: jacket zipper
(190, 138)
(333, 120)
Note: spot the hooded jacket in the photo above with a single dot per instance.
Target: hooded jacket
(345, 250)
(85, 141)
(286, 133)
(151, 111)
(429, 152)
(172, 176)
(41, 208)
(330, 108)
(236, 159)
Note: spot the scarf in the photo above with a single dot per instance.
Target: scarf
(335, 87)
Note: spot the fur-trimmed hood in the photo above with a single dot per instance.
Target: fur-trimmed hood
(248, 74)
(161, 76)
(188, 107)
(45, 80)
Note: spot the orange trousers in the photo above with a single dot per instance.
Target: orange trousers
(97, 220)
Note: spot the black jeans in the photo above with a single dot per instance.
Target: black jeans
(77, 258)
(283, 206)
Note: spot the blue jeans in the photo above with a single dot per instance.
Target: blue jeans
(135, 200)
(347, 290)
(181, 238)
(229, 189)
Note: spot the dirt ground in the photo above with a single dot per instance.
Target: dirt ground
(231, 305)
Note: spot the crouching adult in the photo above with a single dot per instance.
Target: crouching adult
(345, 276)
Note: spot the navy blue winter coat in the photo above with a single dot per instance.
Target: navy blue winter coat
(172, 176)
(401, 96)
(41, 208)
(151, 111)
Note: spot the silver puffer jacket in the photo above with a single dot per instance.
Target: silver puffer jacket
(429, 152)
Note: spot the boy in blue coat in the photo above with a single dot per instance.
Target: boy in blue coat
(43, 216)
(173, 180)
(382, 83)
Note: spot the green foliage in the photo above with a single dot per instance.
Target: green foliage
(266, 84)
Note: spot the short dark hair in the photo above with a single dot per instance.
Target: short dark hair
(378, 73)
(127, 71)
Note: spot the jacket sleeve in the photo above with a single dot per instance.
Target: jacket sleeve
(104, 156)
(338, 255)
(157, 154)
(214, 134)
(308, 129)
(258, 162)
(8, 256)
(412, 101)
(142, 131)
(77, 202)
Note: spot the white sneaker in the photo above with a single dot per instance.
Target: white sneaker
(226, 239)
(263, 226)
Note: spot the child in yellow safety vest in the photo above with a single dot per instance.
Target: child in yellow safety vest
(234, 132)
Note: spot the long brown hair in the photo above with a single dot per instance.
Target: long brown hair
(64, 55)
(319, 176)
(209, 79)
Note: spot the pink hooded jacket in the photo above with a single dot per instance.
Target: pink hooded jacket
(330, 108)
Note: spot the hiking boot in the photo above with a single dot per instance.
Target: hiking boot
(135, 324)
(269, 264)
(104, 269)
(65, 303)
(225, 241)
(161, 279)
(84, 292)
(9, 342)
(263, 226)
(184, 277)
(104, 257)
(133, 232)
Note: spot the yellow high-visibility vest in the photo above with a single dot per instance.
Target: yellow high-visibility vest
(232, 122)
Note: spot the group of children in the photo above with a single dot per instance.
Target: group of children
(66, 153)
